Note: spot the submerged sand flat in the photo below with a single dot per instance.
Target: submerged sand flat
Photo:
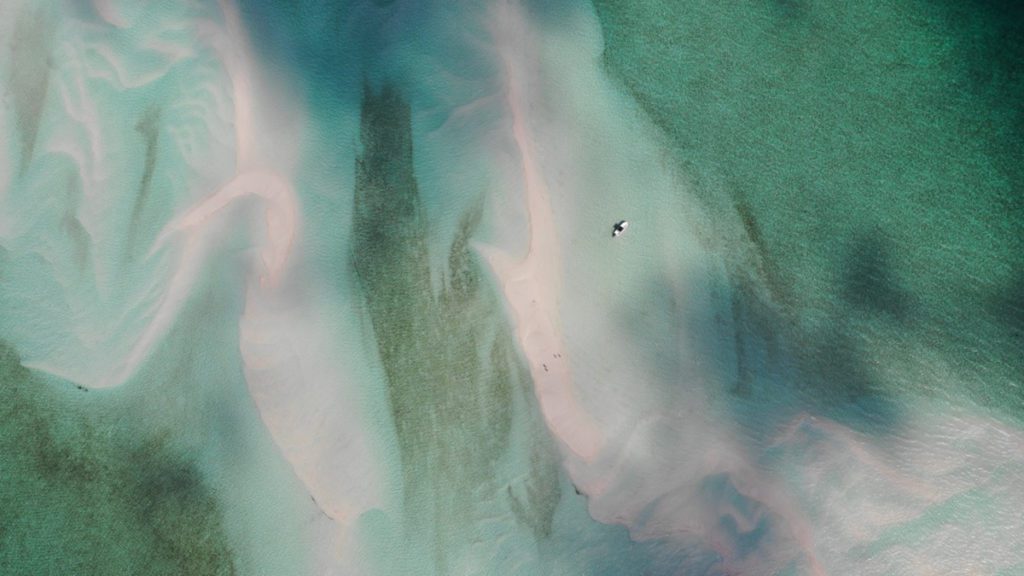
(329, 288)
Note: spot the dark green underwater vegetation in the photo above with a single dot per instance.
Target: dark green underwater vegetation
(451, 368)
(82, 496)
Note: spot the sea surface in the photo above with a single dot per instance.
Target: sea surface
(328, 287)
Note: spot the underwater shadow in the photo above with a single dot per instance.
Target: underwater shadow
(763, 363)
(866, 279)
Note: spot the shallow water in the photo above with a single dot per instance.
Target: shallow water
(328, 287)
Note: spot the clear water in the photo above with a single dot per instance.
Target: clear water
(255, 317)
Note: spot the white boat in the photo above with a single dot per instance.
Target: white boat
(619, 227)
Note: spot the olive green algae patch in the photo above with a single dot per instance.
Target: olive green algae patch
(78, 495)
(454, 379)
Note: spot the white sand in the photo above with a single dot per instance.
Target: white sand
(110, 12)
(531, 285)
(98, 324)
(305, 396)
(644, 466)
(669, 462)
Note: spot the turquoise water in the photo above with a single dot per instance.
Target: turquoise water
(867, 158)
(328, 287)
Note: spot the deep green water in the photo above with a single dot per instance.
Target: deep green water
(81, 498)
(862, 163)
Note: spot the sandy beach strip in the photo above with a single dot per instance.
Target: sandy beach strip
(532, 284)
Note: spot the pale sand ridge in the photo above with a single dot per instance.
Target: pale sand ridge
(531, 285)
